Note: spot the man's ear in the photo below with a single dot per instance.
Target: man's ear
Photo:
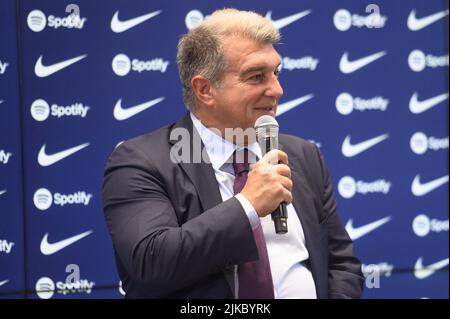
(203, 89)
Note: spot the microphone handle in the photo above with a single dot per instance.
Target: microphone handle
(279, 216)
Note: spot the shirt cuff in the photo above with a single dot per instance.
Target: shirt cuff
(250, 211)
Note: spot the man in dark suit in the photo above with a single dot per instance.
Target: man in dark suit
(189, 215)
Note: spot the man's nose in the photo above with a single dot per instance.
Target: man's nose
(274, 90)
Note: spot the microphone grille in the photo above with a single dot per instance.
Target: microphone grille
(266, 126)
(265, 120)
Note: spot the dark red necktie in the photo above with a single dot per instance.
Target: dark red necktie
(255, 278)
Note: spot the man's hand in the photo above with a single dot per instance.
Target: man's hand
(269, 183)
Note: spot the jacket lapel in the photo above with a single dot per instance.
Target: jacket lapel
(198, 169)
(200, 172)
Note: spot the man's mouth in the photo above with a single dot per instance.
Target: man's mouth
(267, 109)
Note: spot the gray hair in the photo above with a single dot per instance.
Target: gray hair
(200, 51)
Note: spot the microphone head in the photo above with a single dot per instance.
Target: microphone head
(266, 120)
(266, 126)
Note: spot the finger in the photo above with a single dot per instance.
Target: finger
(286, 183)
(283, 170)
(275, 157)
(287, 196)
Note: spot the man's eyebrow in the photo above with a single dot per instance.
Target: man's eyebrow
(253, 69)
(257, 68)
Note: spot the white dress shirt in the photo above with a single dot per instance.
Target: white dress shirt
(291, 279)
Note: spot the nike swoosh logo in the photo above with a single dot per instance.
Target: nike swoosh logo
(417, 107)
(118, 26)
(2, 192)
(415, 24)
(51, 248)
(347, 66)
(422, 272)
(45, 159)
(3, 282)
(121, 114)
(43, 71)
(287, 106)
(419, 189)
(281, 23)
(358, 232)
(349, 150)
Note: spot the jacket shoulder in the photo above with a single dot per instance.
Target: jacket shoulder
(142, 151)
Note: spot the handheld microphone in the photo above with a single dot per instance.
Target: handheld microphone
(267, 135)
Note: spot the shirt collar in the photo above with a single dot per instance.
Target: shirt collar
(220, 151)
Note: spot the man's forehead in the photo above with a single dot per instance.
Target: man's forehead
(260, 62)
(243, 54)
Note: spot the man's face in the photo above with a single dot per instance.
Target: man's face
(249, 87)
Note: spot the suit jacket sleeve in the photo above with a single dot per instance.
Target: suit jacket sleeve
(149, 240)
(345, 279)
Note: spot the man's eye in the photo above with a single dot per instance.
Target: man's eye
(277, 71)
(256, 77)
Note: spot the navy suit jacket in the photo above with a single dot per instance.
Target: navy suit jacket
(173, 236)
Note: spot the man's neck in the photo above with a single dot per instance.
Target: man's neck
(235, 135)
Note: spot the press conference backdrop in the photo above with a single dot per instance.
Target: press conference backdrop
(366, 81)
